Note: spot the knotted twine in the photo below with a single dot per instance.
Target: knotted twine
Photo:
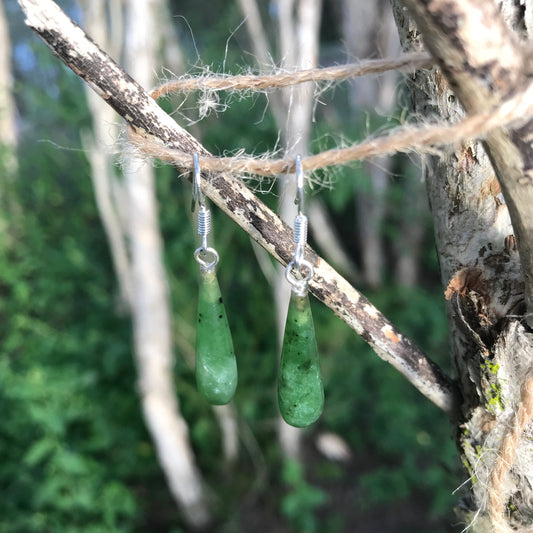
(423, 139)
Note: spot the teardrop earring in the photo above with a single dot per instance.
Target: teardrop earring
(300, 389)
(216, 366)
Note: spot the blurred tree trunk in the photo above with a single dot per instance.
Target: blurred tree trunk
(151, 302)
(174, 61)
(8, 129)
(103, 20)
(482, 202)
(369, 27)
(298, 27)
(413, 223)
(366, 28)
(130, 215)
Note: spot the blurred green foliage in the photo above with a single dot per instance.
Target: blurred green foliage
(74, 452)
(302, 498)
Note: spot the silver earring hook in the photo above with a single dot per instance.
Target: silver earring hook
(206, 256)
(196, 181)
(299, 185)
(299, 271)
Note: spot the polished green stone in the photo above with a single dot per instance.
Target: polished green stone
(216, 366)
(300, 389)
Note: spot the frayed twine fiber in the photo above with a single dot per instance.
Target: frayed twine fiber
(424, 139)
(506, 456)
(259, 83)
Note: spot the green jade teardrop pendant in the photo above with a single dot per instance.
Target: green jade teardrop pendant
(216, 366)
(300, 389)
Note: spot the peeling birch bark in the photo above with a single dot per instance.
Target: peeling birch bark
(122, 93)
(477, 229)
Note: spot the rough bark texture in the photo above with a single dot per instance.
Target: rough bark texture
(482, 270)
(82, 55)
(484, 62)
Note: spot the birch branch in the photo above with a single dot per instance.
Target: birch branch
(485, 64)
(70, 44)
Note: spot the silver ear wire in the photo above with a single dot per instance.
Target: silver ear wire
(299, 271)
(204, 222)
(300, 222)
(299, 185)
(196, 180)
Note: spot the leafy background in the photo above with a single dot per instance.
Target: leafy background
(74, 452)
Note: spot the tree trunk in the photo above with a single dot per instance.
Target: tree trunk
(142, 282)
(408, 244)
(151, 302)
(98, 146)
(298, 36)
(299, 26)
(366, 29)
(483, 248)
(8, 130)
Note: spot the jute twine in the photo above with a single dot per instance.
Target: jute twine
(425, 138)
(284, 79)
